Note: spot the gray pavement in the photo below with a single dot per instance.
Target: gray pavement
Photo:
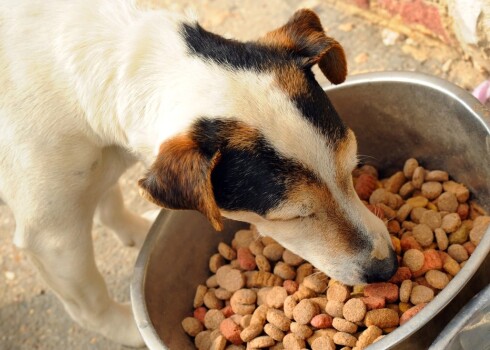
(30, 315)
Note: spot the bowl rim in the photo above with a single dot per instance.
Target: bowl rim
(471, 104)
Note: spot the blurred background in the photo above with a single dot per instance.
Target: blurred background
(446, 38)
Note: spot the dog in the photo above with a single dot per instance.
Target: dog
(232, 129)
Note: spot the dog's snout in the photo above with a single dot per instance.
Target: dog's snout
(382, 270)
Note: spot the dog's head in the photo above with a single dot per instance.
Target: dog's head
(278, 156)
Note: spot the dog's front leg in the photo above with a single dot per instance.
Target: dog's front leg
(111, 212)
(65, 259)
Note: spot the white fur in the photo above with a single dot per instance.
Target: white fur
(89, 87)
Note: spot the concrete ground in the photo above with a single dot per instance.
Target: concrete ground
(30, 315)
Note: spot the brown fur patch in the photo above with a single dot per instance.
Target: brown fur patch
(343, 150)
(304, 36)
(180, 178)
(242, 136)
(291, 80)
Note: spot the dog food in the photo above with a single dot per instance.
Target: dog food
(264, 296)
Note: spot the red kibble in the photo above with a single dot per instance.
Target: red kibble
(403, 273)
(199, 313)
(407, 315)
(388, 291)
(470, 247)
(365, 186)
(322, 321)
(290, 286)
(246, 259)
(231, 331)
(432, 261)
(408, 242)
(374, 302)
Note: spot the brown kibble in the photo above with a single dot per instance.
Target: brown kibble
(263, 341)
(201, 290)
(273, 332)
(291, 259)
(192, 326)
(343, 325)
(406, 290)
(284, 271)
(213, 318)
(463, 211)
(212, 282)
(470, 247)
(407, 315)
(303, 331)
(226, 251)
(218, 343)
(266, 240)
(447, 202)
(342, 338)
(242, 308)
(437, 279)
(262, 279)
(276, 296)
(303, 293)
(256, 247)
(459, 190)
(421, 294)
(480, 226)
(403, 212)
(395, 182)
(382, 318)
(305, 311)
(409, 167)
(262, 263)
(437, 175)
(321, 302)
(423, 234)
(242, 238)
(451, 222)
(273, 251)
(292, 342)
(406, 190)
(393, 227)
(222, 294)
(441, 238)
(302, 271)
(418, 202)
(365, 186)
(230, 279)
(259, 316)
(203, 340)
(457, 252)
(416, 214)
(322, 321)
(418, 177)
(451, 266)
(431, 219)
(334, 308)
(389, 291)
(215, 262)
(262, 295)
(431, 190)
(211, 301)
(461, 234)
(251, 332)
(323, 343)
(338, 292)
(278, 319)
(354, 310)
(231, 331)
(413, 259)
(316, 282)
(244, 296)
(289, 305)
(368, 336)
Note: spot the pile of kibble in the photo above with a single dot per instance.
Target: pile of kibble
(261, 295)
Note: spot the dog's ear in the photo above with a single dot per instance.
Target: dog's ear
(304, 36)
(180, 178)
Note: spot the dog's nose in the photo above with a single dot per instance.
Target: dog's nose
(382, 270)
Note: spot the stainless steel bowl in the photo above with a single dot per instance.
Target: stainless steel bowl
(395, 116)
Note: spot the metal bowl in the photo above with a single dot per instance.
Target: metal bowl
(395, 116)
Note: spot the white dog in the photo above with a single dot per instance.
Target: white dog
(236, 129)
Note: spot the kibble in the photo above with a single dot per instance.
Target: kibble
(264, 296)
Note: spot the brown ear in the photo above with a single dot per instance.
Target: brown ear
(303, 35)
(180, 178)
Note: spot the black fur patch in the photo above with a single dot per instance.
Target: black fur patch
(315, 106)
(254, 179)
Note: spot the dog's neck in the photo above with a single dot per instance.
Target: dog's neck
(145, 88)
